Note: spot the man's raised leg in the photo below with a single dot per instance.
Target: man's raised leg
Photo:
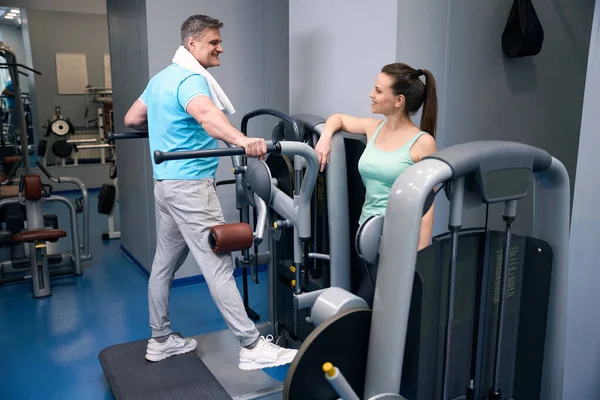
(196, 209)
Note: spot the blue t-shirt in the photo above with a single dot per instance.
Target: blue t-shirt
(171, 128)
(10, 101)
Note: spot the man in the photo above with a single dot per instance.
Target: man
(181, 109)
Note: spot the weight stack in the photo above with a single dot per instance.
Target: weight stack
(526, 312)
(294, 321)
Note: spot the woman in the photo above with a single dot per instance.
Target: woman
(393, 144)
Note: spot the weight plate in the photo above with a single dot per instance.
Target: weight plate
(62, 149)
(342, 340)
(60, 127)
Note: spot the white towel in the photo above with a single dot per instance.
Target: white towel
(185, 59)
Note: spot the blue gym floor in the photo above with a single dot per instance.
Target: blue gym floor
(49, 347)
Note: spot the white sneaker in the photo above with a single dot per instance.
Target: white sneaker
(265, 354)
(174, 345)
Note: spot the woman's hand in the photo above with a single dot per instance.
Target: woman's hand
(323, 150)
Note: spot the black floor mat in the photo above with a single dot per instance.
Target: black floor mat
(132, 377)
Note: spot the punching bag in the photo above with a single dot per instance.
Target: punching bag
(523, 35)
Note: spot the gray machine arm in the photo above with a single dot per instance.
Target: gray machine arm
(261, 208)
(298, 209)
(338, 211)
(397, 259)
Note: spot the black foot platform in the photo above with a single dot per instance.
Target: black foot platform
(132, 377)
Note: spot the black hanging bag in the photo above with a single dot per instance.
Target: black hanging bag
(523, 35)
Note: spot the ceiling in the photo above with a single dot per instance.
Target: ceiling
(10, 16)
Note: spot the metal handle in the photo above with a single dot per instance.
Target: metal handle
(260, 219)
(112, 136)
(226, 182)
(160, 156)
(93, 146)
(274, 113)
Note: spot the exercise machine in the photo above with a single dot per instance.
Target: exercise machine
(328, 263)
(108, 199)
(288, 204)
(481, 333)
(31, 248)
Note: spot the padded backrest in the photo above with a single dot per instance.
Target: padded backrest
(33, 187)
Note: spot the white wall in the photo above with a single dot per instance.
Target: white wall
(337, 48)
(582, 359)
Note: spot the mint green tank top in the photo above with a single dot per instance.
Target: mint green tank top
(379, 170)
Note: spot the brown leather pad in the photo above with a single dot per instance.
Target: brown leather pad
(39, 234)
(11, 159)
(230, 237)
(33, 187)
(8, 191)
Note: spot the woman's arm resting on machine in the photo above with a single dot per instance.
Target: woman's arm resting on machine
(350, 124)
(341, 122)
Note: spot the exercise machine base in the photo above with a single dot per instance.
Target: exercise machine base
(214, 366)
(131, 376)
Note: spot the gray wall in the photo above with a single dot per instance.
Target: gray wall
(485, 95)
(54, 32)
(337, 48)
(254, 74)
(129, 66)
(335, 57)
(582, 359)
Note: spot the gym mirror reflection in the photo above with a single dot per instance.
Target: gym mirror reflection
(65, 85)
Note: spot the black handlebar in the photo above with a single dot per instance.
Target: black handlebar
(275, 113)
(160, 156)
(112, 136)
(44, 170)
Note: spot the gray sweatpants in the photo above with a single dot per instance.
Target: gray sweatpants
(186, 210)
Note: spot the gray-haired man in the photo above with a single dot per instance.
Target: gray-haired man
(183, 108)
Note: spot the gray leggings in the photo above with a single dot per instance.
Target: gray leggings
(186, 210)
